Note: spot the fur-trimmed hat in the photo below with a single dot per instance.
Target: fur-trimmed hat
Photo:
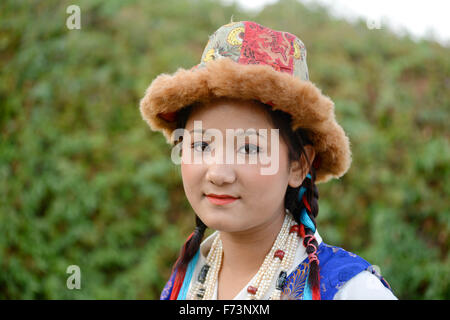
(249, 61)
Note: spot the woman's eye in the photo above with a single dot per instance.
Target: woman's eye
(250, 149)
(201, 144)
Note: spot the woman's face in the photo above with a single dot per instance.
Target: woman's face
(260, 197)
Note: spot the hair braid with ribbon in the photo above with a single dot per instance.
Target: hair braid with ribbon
(187, 252)
(305, 212)
(302, 201)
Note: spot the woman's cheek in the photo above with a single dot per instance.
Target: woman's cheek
(189, 175)
(265, 188)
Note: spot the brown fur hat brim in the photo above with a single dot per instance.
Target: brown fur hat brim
(310, 109)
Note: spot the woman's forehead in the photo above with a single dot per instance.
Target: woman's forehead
(230, 113)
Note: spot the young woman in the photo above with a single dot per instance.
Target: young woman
(252, 85)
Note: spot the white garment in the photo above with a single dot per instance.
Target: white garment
(363, 286)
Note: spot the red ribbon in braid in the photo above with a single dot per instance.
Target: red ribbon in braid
(302, 230)
(313, 255)
(306, 203)
(315, 290)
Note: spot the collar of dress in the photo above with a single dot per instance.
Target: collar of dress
(205, 246)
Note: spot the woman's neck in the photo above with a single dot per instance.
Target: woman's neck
(244, 252)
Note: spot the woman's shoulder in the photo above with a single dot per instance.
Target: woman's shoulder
(349, 276)
(341, 272)
(365, 286)
(339, 264)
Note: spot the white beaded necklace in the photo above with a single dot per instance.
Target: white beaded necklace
(276, 263)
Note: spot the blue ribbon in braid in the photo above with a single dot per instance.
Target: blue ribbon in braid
(307, 222)
(304, 217)
(303, 189)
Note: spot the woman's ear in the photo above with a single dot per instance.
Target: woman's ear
(300, 168)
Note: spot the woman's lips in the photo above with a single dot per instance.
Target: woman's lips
(221, 200)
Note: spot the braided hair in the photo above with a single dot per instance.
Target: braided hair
(187, 252)
(304, 201)
(301, 201)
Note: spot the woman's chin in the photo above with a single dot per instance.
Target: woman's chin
(224, 224)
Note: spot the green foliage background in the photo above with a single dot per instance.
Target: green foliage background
(83, 181)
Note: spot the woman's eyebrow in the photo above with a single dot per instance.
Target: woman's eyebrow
(194, 130)
(240, 133)
(250, 132)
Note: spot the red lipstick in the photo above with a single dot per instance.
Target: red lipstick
(221, 199)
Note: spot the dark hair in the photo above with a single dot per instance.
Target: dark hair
(295, 140)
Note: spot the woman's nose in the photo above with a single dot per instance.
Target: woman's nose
(220, 174)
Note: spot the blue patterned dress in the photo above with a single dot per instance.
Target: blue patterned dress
(337, 266)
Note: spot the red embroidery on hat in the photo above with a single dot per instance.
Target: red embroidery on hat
(262, 45)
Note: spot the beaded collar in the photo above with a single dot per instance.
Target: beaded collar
(283, 262)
